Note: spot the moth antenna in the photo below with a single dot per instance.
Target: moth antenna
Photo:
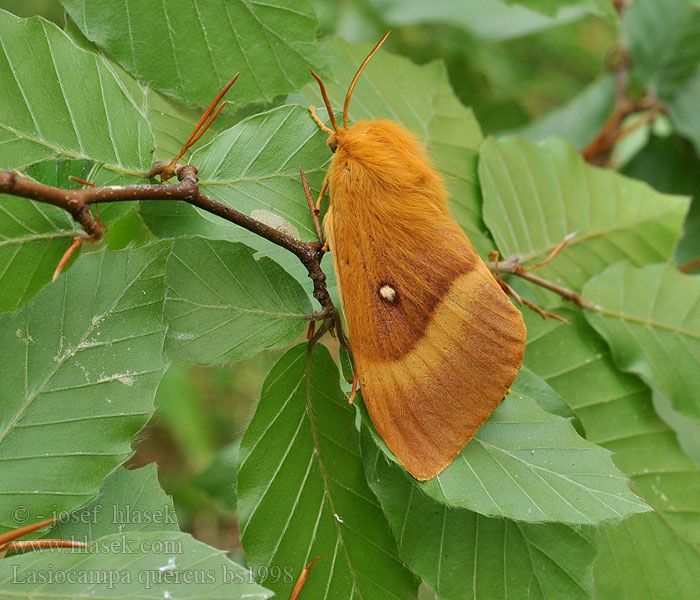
(326, 101)
(357, 76)
(314, 116)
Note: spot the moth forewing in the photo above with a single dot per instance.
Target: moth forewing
(436, 341)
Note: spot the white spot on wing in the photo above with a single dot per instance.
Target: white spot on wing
(387, 292)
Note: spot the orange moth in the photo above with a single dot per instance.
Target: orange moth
(435, 340)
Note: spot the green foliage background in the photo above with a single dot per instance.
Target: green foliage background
(584, 483)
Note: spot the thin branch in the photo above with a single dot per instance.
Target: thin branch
(78, 202)
(617, 59)
(597, 150)
(72, 201)
(511, 266)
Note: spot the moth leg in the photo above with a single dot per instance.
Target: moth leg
(328, 130)
(312, 209)
(321, 194)
(355, 381)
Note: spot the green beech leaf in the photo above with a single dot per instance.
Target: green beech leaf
(131, 517)
(60, 100)
(683, 110)
(650, 317)
(190, 50)
(663, 42)
(130, 566)
(302, 491)
(644, 558)
(33, 238)
(255, 165)
(530, 465)
(80, 366)
(34, 235)
(464, 555)
(617, 413)
(171, 121)
(421, 99)
(489, 19)
(223, 305)
(532, 385)
(620, 417)
(129, 500)
(580, 119)
(687, 428)
(534, 196)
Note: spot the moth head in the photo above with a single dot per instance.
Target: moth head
(335, 135)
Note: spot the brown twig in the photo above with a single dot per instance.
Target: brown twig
(597, 150)
(511, 266)
(72, 201)
(78, 202)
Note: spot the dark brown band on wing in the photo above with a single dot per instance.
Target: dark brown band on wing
(393, 303)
